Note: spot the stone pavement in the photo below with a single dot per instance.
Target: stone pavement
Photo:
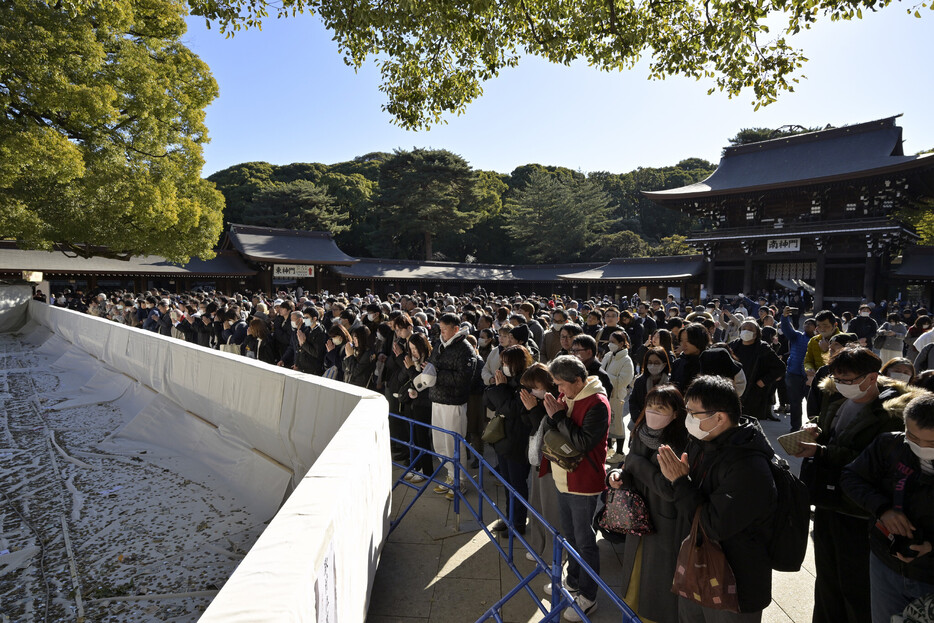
(429, 572)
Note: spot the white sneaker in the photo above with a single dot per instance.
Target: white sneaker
(587, 606)
(529, 556)
(442, 489)
(573, 591)
(417, 479)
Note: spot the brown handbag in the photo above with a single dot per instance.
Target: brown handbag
(702, 573)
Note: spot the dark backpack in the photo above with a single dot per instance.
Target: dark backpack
(792, 521)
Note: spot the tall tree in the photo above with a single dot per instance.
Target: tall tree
(102, 128)
(423, 194)
(553, 221)
(435, 54)
(296, 205)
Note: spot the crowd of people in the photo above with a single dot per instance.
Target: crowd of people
(692, 381)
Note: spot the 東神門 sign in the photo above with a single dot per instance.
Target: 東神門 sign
(293, 271)
(783, 245)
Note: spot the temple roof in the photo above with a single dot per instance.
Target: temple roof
(642, 269)
(850, 152)
(917, 263)
(389, 269)
(270, 244)
(226, 264)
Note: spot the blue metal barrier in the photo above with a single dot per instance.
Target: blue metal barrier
(561, 598)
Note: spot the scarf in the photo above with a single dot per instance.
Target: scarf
(652, 439)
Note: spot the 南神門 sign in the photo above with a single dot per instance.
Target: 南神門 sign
(297, 271)
(783, 245)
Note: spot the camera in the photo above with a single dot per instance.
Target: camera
(902, 545)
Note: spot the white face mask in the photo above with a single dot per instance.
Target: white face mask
(295, 325)
(539, 393)
(656, 420)
(900, 376)
(864, 314)
(747, 336)
(373, 317)
(693, 425)
(925, 454)
(851, 392)
(337, 341)
(483, 341)
(655, 368)
(612, 347)
(507, 371)
(307, 322)
(558, 325)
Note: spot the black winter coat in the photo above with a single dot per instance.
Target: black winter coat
(504, 401)
(455, 366)
(309, 357)
(766, 367)
(731, 481)
(887, 465)
(358, 368)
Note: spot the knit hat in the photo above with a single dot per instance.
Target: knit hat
(521, 333)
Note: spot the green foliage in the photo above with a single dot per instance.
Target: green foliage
(555, 222)
(102, 130)
(434, 55)
(672, 245)
(423, 194)
(921, 217)
(621, 244)
(756, 135)
(296, 205)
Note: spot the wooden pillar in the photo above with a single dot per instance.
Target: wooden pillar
(747, 274)
(819, 270)
(710, 274)
(869, 278)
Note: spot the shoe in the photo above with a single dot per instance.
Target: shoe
(574, 591)
(529, 556)
(417, 479)
(450, 494)
(408, 476)
(499, 526)
(773, 418)
(442, 489)
(586, 605)
(614, 457)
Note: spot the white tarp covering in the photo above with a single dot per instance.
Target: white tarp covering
(258, 429)
(13, 305)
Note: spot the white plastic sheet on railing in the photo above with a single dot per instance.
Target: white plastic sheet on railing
(287, 430)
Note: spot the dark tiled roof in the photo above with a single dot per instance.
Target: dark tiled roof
(269, 244)
(917, 263)
(850, 152)
(13, 259)
(453, 271)
(642, 269)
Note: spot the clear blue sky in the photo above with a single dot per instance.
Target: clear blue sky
(286, 96)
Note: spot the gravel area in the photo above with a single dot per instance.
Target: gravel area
(88, 534)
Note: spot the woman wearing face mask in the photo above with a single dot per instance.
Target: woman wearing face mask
(845, 427)
(619, 367)
(763, 368)
(359, 360)
(649, 561)
(899, 369)
(338, 338)
(486, 342)
(893, 330)
(543, 496)
(656, 370)
(694, 339)
(414, 402)
(921, 326)
(512, 452)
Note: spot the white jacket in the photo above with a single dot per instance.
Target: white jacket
(618, 366)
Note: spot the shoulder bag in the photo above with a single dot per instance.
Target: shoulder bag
(702, 572)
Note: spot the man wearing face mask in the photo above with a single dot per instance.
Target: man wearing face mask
(864, 326)
(845, 427)
(551, 342)
(725, 474)
(310, 338)
(294, 324)
(893, 480)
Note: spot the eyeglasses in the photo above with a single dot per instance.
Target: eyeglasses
(839, 381)
(579, 350)
(694, 414)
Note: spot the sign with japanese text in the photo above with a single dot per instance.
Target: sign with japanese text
(294, 271)
(783, 245)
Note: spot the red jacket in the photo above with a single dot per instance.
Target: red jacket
(586, 428)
